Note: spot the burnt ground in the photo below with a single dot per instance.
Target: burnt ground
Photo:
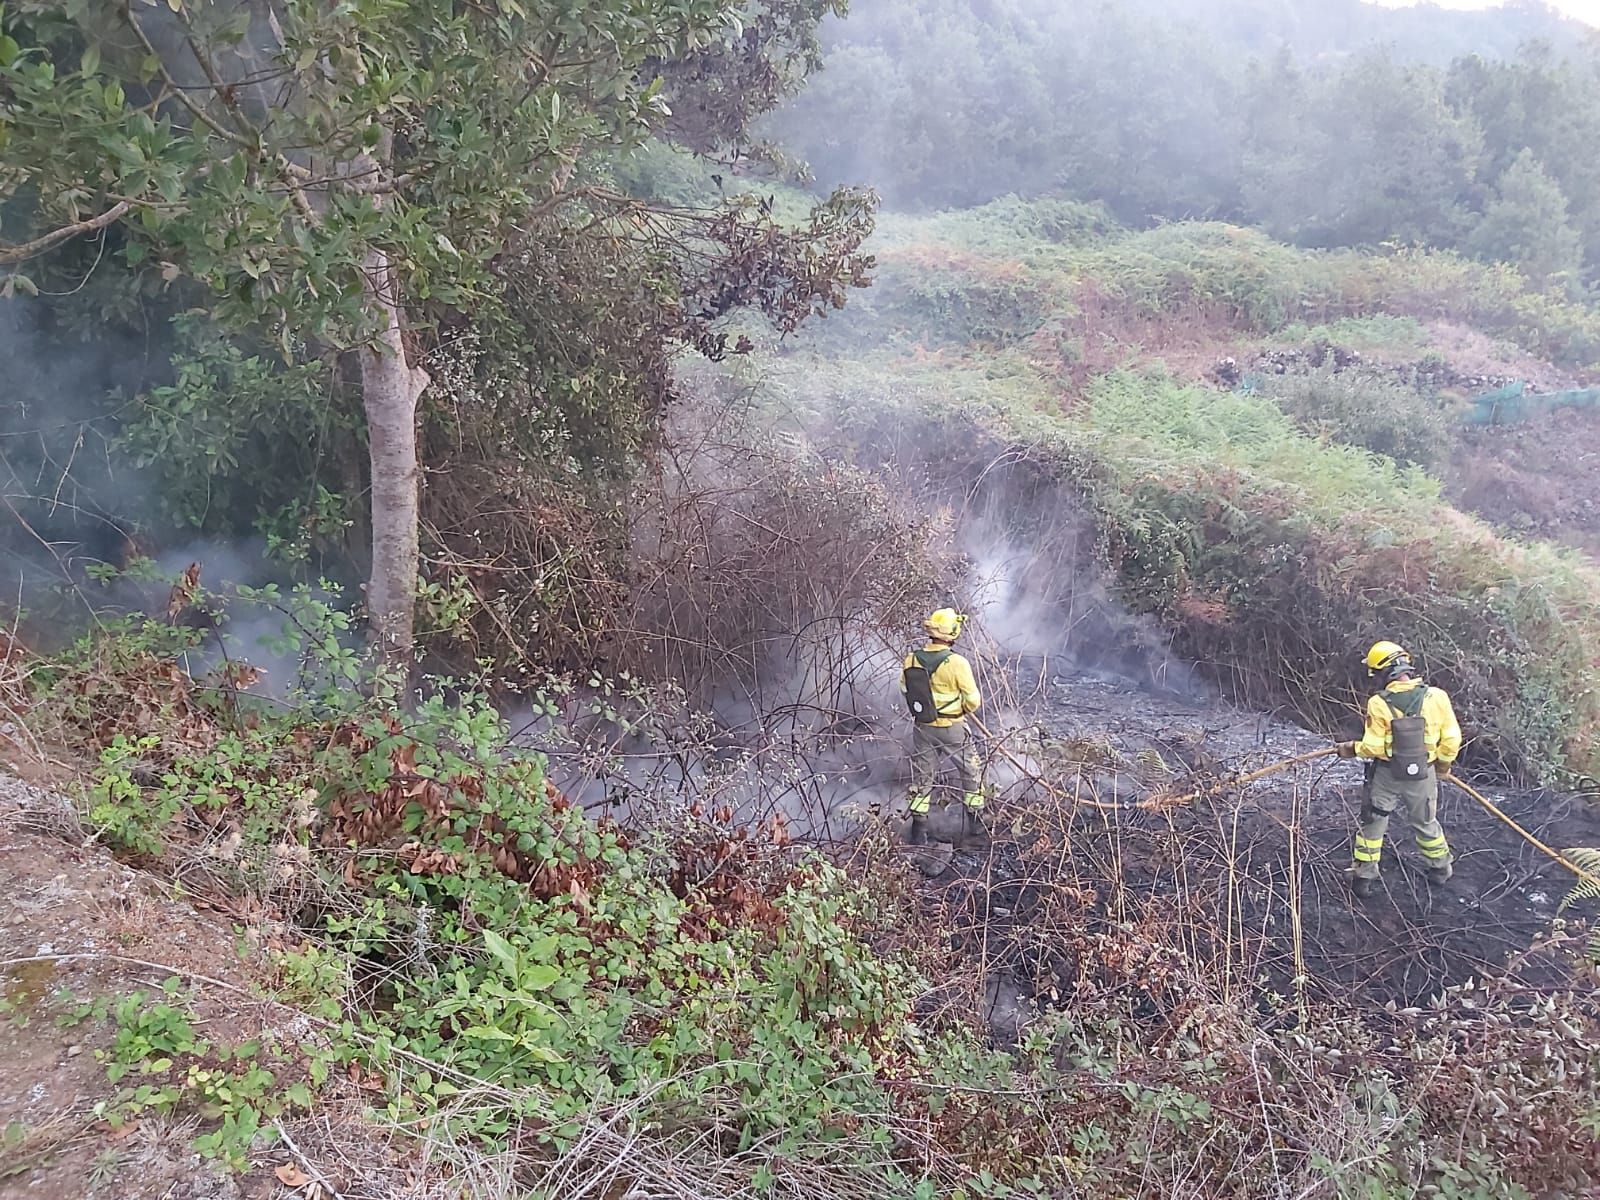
(1539, 479)
(1237, 879)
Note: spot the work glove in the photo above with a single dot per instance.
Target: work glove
(1442, 769)
(1345, 749)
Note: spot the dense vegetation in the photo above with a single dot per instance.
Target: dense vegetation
(707, 1009)
(1173, 306)
(1226, 111)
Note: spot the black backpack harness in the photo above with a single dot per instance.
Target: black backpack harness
(918, 680)
(1408, 754)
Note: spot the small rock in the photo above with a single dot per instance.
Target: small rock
(74, 1051)
(933, 859)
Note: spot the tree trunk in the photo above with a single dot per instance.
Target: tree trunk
(390, 388)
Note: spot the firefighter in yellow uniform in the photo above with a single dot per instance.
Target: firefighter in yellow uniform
(1412, 738)
(941, 693)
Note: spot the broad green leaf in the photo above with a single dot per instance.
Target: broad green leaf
(536, 977)
(503, 951)
(125, 152)
(542, 1053)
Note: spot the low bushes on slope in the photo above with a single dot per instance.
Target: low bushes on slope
(1312, 550)
(1238, 277)
(1376, 333)
(1379, 414)
(1041, 232)
(1264, 285)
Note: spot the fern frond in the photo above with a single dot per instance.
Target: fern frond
(1151, 764)
(1587, 857)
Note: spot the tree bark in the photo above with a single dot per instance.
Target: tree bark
(390, 389)
(11, 254)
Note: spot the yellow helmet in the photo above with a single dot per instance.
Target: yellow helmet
(946, 624)
(1384, 656)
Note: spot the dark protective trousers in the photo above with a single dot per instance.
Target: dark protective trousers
(1417, 800)
(930, 743)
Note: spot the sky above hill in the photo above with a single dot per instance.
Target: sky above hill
(1583, 10)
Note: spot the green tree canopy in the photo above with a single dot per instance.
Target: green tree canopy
(336, 174)
(1527, 224)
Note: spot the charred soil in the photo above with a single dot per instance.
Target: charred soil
(1250, 886)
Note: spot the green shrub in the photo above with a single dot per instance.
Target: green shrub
(160, 1066)
(1040, 232)
(986, 310)
(231, 442)
(712, 975)
(1379, 414)
(1376, 333)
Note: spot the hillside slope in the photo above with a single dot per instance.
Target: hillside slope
(1259, 435)
(1539, 479)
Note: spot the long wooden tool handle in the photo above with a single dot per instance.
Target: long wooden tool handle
(1242, 780)
(1559, 857)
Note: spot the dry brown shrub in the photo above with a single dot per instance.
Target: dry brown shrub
(742, 559)
(752, 560)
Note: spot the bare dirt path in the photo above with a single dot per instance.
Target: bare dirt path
(73, 924)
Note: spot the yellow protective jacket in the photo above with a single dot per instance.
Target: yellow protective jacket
(955, 690)
(1441, 731)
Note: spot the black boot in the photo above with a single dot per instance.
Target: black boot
(1440, 876)
(917, 835)
(1361, 887)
